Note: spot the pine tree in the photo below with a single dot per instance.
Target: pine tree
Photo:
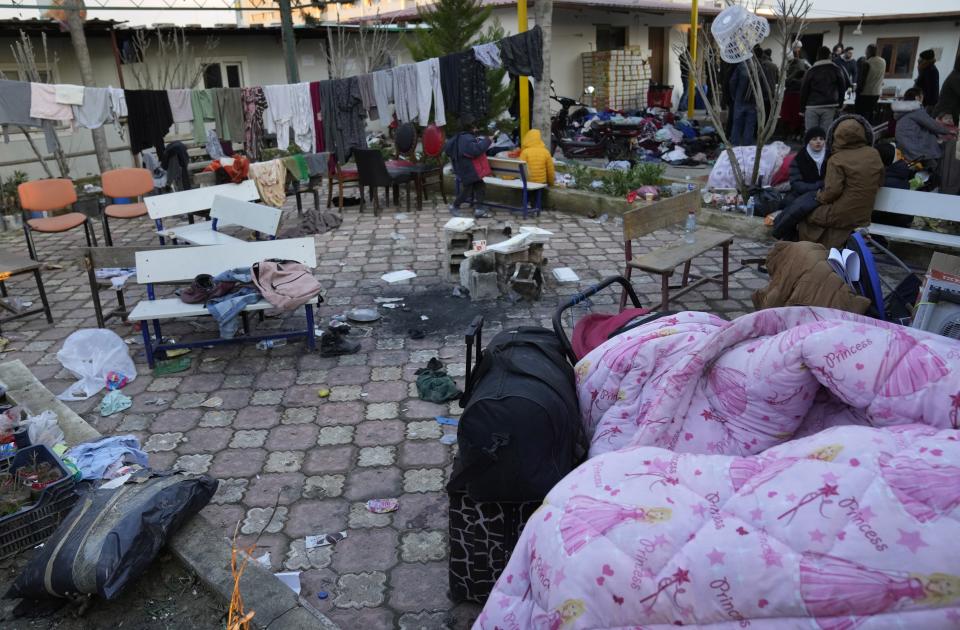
(455, 26)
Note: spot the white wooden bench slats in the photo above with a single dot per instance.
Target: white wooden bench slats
(169, 308)
(512, 183)
(919, 204)
(228, 211)
(517, 178)
(198, 199)
(185, 263)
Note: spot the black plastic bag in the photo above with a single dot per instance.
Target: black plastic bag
(111, 537)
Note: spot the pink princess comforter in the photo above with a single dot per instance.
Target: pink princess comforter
(698, 384)
(853, 527)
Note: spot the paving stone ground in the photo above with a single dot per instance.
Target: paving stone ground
(292, 464)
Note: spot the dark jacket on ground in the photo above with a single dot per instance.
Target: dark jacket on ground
(801, 276)
(897, 175)
(823, 85)
(804, 174)
(917, 131)
(462, 149)
(949, 102)
(854, 175)
(928, 80)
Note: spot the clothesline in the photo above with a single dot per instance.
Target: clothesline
(324, 115)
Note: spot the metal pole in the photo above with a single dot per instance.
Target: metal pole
(523, 83)
(691, 75)
(289, 41)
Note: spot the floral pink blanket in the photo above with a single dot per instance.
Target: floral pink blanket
(696, 383)
(854, 527)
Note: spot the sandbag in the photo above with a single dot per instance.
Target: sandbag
(111, 537)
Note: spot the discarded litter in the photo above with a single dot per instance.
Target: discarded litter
(176, 352)
(398, 236)
(291, 579)
(264, 560)
(400, 216)
(386, 300)
(383, 506)
(363, 315)
(266, 344)
(565, 274)
(450, 422)
(460, 224)
(536, 234)
(116, 380)
(424, 318)
(392, 305)
(398, 276)
(212, 403)
(323, 393)
(159, 402)
(3, 343)
(322, 540)
(448, 439)
(90, 354)
(172, 366)
(114, 402)
(323, 595)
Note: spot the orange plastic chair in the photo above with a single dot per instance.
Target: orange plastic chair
(51, 195)
(124, 182)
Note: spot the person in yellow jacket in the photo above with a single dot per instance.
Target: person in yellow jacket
(538, 158)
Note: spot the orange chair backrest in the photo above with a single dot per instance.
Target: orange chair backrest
(126, 182)
(46, 195)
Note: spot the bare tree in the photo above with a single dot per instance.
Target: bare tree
(74, 10)
(26, 58)
(790, 19)
(543, 15)
(165, 59)
(363, 49)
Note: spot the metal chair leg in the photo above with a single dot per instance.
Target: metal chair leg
(43, 296)
(408, 196)
(107, 237)
(31, 248)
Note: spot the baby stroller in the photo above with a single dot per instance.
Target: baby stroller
(897, 306)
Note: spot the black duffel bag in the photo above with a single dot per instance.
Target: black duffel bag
(520, 431)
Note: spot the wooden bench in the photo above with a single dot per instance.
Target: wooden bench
(514, 176)
(184, 264)
(186, 202)
(917, 203)
(229, 212)
(664, 261)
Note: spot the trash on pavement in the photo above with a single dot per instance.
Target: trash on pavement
(291, 579)
(363, 315)
(386, 300)
(450, 422)
(322, 540)
(172, 366)
(114, 402)
(95, 459)
(398, 276)
(383, 506)
(264, 560)
(212, 403)
(323, 392)
(565, 274)
(44, 429)
(448, 438)
(90, 354)
(116, 380)
(434, 385)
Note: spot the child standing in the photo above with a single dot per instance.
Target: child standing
(467, 152)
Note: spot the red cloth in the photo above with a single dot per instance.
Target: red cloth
(596, 328)
(317, 116)
(234, 173)
(783, 173)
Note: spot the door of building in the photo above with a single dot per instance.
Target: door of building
(656, 38)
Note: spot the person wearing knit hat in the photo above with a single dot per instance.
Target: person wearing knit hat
(809, 165)
(928, 78)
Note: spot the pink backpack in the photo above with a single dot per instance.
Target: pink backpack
(286, 284)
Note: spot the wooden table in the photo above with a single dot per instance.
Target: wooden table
(12, 265)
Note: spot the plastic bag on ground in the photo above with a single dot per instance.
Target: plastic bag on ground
(44, 429)
(90, 354)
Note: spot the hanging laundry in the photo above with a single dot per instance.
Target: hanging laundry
(95, 110)
(270, 178)
(228, 113)
(522, 54)
(68, 94)
(383, 92)
(254, 104)
(464, 83)
(279, 114)
(118, 102)
(344, 125)
(428, 87)
(319, 144)
(488, 55)
(15, 110)
(303, 120)
(43, 103)
(149, 119)
(180, 105)
(368, 97)
(213, 146)
(201, 103)
(297, 166)
(405, 93)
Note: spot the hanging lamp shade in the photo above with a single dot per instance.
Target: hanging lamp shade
(737, 31)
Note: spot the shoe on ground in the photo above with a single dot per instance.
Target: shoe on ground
(334, 343)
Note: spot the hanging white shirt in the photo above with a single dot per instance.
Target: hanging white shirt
(303, 121)
(279, 113)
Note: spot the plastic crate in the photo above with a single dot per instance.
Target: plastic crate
(35, 523)
(660, 96)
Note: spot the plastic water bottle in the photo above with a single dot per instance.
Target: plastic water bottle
(689, 230)
(266, 344)
(690, 186)
(751, 204)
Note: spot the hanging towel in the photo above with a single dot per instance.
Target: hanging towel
(464, 83)
(317, 115)
(279, 113)
(383, 92)
(254, 104)
(270, 178)
(488, 55)
(303, 120)
(405, 92)
(228, 113)
(181, 105)
(118, 102)
(368, 97)
(68, 94)
(429, 88)
(95, 109)
(201, 103)
(149, 119)
(15, 110)
(43, 103)
(522, 54)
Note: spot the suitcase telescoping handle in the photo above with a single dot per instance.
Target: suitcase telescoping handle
(581, 297)
(473, 337)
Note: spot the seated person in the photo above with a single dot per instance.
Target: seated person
(918, 134)
(809, 165)
(538, 158)
(896, 175)
(854, 175)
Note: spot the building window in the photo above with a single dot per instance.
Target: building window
(900, 53)
(218, 74)
(611, 37)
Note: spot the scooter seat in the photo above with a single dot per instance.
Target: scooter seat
(578, 143)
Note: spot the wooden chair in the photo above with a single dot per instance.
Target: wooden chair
(124, 182)
(374, 175)
(425, 175)
(664, 261)
(51, 195)
(343, 177)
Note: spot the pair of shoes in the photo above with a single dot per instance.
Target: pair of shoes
(454, 210)
(334, 342)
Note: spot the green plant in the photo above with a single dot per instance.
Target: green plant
(8, 192)
(619, 183)
(582, 175)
